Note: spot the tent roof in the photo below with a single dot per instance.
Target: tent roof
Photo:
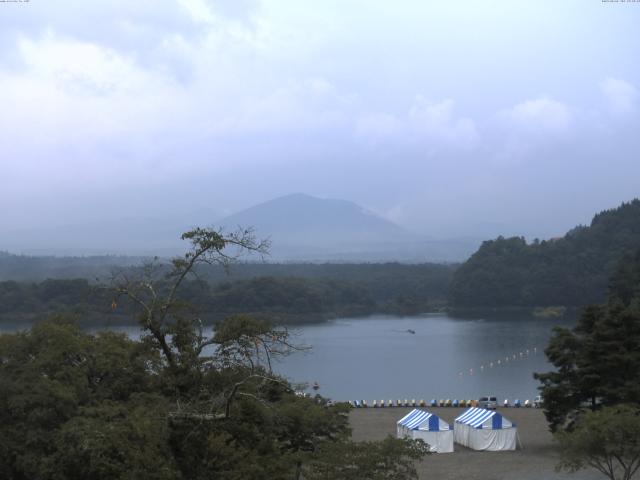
(482, 418)
(422, 420)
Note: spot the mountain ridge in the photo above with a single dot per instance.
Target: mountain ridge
(301, 227)
(572, 270)
(298, 217)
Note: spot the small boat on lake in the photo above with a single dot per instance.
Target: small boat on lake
(315, 385)
(411, 331)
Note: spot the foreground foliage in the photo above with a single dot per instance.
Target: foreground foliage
(607, 440)
(598, 361)
(386, 460)
(177, 403)
(592, 399)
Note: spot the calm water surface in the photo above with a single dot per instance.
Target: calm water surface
(378, 358)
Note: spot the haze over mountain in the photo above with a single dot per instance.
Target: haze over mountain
(300, 219)
(124, 236)
(301, 228)
(173, 104)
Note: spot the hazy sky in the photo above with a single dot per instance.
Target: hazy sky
(449, 117)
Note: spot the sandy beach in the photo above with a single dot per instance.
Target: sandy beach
(536, 460)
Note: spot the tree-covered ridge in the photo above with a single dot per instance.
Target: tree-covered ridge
(572, 270)
(321, 291)
(26, 268)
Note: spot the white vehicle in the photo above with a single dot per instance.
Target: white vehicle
(538, 402)
(490, 403)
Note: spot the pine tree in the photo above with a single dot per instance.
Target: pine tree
(597, 362)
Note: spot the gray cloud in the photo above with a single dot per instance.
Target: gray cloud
(446, 118)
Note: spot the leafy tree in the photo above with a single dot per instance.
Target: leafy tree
(390, 459)
(161, 314)
(598, 361)
(607, 440)
(115, 440)
(178, 403)
(55, 374)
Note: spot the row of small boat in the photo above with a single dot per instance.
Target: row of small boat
(433, 403)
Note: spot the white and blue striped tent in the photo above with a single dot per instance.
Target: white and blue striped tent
(482, 429)
(423, 425)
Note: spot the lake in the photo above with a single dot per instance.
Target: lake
(378, 358)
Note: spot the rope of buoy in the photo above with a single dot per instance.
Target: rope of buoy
(513, 357)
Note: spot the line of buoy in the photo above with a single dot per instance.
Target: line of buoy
(434, 403)
(513, 357)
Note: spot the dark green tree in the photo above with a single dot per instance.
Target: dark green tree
(607, 440)
(65, 392)
(390, 459)
(598, 361)
(178, 403)
(572, 270)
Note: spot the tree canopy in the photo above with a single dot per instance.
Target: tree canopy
(592, 398)
(288, 293)
(598, 361)
(180, 402)
(607, 440)
(573, 270)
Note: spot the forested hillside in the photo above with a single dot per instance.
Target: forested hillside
(571, 271)
(315, 292)
(37, 268)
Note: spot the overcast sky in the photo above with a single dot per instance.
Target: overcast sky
(450, 118)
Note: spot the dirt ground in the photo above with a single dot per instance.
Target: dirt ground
(536, 460)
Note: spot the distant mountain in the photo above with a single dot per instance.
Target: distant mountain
(300, 219)
(307, 228)
(301, 227)
(572, 270)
